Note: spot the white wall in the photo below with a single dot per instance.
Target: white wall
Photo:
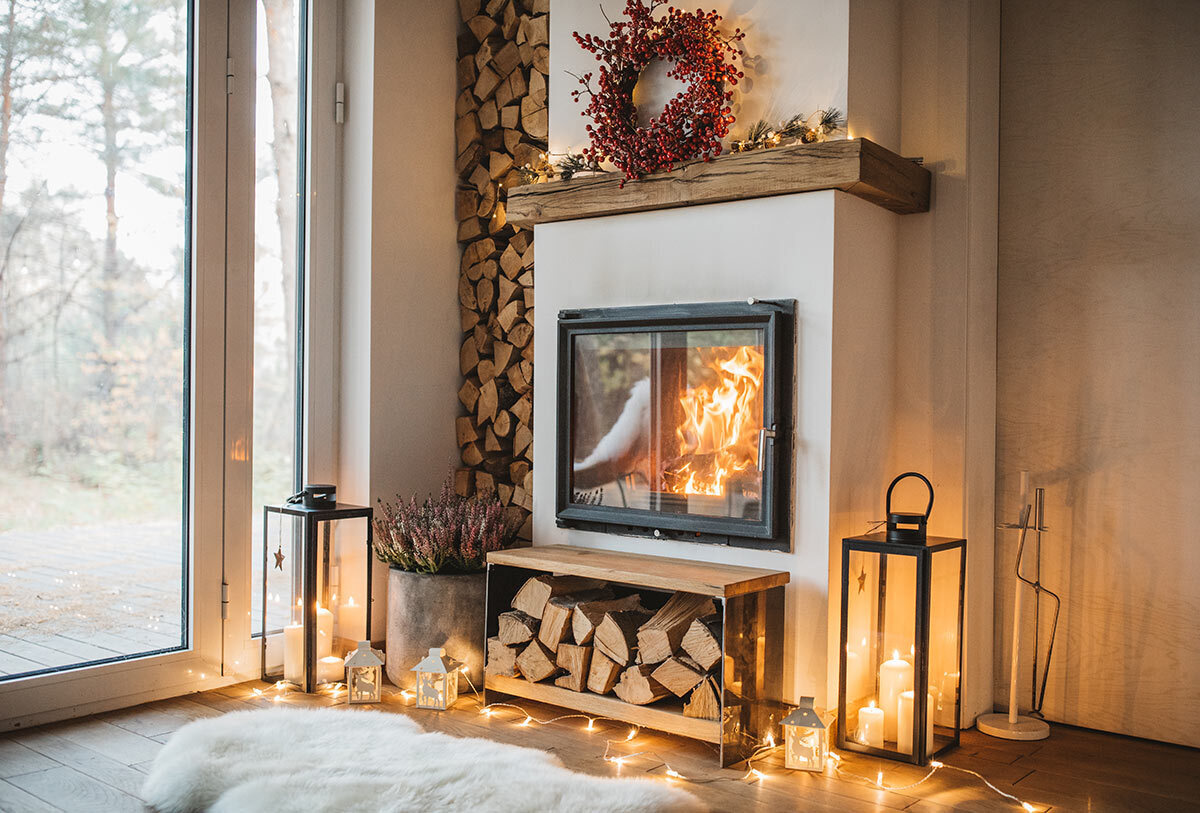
(678, 256)
(1100, 351)
(399, 339)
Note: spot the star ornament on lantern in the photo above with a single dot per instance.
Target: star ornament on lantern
(279, 559)
(862, 580)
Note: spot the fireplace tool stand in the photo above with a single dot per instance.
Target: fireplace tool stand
(1014, 726)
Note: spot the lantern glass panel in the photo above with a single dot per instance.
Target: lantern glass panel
(281, 612)
(805, 748)
(945, 675)
(436, 690)
(312, 565)
(881, 638)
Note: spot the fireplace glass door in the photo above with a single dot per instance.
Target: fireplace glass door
(673, 423)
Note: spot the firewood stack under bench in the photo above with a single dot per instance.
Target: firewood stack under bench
(690, 648)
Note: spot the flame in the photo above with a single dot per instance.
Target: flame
(718, 436)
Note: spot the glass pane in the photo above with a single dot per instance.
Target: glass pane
(93, 298)
(945, 676)
(340, 603)
(669, 421)
(277, 217)
(880, 649)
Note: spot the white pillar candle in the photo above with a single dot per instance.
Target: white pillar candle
(870, 725)
(331, 669)
(895, 676)
(293, 653)
(904, 723)
(324, 632)
(352, 619)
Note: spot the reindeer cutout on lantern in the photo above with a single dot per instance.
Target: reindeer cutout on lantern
(437, 680)
(363, 674)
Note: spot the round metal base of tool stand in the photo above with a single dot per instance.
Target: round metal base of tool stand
(1024, 728)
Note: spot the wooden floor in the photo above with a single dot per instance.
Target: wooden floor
(99, 763)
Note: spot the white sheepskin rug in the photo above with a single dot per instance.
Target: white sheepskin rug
(308, 761)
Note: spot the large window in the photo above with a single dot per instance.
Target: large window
(94, 321)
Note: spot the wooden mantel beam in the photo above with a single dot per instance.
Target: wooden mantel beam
(856, 166)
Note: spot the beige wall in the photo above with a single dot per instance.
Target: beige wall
(399, 312)
(945, 303)
(1099, 360)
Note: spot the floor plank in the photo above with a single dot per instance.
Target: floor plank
(15, 800)
(16, 759)
(1077, 794)
(68, 789)
(119, 744)
(86, 761)
(1106, 759)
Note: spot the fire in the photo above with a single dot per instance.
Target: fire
(718, 436)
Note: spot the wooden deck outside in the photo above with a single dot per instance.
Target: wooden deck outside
(99, 763)
(73, 595)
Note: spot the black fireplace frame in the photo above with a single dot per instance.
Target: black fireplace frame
(777, 320)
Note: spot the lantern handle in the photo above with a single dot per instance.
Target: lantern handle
(923, 479)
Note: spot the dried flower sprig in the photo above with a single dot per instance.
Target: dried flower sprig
(446, 533)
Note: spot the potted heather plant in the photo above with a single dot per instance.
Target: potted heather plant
(436, 551)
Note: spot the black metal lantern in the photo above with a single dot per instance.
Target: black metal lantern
(900, 677)
(307, 629)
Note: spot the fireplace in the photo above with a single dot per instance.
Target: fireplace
(675, 421)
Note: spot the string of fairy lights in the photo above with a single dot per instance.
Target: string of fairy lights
(752, 775)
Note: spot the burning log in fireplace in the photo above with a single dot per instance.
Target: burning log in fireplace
(573, 633)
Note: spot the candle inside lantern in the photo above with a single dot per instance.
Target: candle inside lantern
(871, 721)
(330, 669)
(293, 653)
(904, 723)
(324, 632)
(352, 619)
(895, 676)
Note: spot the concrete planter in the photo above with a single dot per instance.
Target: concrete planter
(434, 610)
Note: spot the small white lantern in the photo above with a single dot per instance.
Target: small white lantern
(364, 674)
(806, 742)
(437, 680)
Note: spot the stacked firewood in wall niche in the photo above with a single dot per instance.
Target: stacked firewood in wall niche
(504, 56)
(581, 635)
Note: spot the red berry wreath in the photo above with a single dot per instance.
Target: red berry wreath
(693, 123)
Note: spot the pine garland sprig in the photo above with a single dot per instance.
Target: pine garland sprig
(572, 164)
(820, 126)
